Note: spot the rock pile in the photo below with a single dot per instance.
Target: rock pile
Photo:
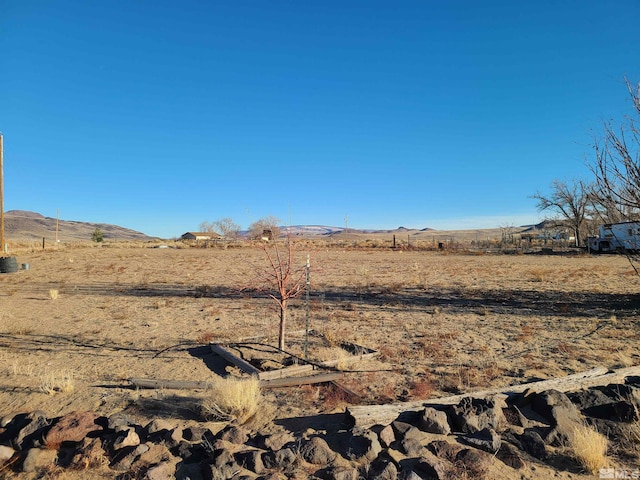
(479, 438)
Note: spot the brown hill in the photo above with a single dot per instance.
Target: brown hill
(23, 225)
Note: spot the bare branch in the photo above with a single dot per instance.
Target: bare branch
(617, 167)
(227, 228)
(570, 203)
(282, 279)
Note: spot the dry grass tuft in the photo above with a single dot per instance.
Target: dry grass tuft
(236, 399)
(57, 382)
(539, 275)
(310, 393)
(527, 332)
(205, 337)
(421, 388)
(630, 440)
(343, 358)
(21, 368)
(332, 338)
(589, 448)
(333, 398)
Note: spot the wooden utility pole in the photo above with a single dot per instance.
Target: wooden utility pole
(2, 244)
(346, 227)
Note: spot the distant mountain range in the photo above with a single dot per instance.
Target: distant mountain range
(26, 225)
(323, 230)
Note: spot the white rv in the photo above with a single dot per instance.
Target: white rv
(616, 237)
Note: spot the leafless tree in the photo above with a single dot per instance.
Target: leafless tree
(282, 278)
(227, 228)
(207, 227)
(507, 230)
(617, 166)
(267, 226)
(571, 204)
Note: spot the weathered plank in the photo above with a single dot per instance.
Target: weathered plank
(234, 359)
(266, 375)
(271, 383)
(306, 380)
(616, 376)
(285, 372)
(282, 372)
(368, 415)
(170, 384)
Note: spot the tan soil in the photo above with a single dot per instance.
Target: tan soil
(443, 323)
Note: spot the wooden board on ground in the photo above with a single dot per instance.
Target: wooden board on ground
(368, 415)
(170, 384)
(306, 380)
(358, 352)
(234, 359)
(272, 383)
(285, 372)
(250, 369)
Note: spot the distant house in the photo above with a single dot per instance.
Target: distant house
(197, 236)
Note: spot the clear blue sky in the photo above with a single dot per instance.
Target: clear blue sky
(157, 115)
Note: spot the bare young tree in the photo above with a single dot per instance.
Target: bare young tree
(283, 278)
(570, 202)
(617, 166)
(227, 228)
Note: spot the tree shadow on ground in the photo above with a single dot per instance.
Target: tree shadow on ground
(454, 299)
(63, 343)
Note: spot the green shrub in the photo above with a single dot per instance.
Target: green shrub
(97, 235)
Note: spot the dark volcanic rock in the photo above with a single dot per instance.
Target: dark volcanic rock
(434, 421)
(474, 414)
(281, 459)
(563, 415)
(533, 444)
(510, 455)
(251, 460)
(486, 439)
(445, 450)
(73, 427)
(317, 451)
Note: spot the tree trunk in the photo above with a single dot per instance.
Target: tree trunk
(283, 321)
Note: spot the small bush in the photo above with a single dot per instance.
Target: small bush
(589, 448)
(235, 399)
(97, 236)
(57, 382)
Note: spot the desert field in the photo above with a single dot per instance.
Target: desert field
(83, 320)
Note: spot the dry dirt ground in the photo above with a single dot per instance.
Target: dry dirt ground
(81, 321)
